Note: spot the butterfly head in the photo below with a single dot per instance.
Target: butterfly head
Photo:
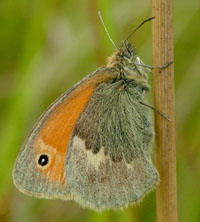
(126, 59)
(127, 51)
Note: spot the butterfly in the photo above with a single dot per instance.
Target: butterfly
(93, 144)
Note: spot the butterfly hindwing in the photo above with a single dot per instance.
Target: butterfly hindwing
(108, 161)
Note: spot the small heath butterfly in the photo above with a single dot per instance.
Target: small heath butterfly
(93, 144)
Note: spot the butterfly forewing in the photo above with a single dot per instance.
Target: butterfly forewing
(39, 168)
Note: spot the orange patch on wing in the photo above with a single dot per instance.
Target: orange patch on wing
(57, 129)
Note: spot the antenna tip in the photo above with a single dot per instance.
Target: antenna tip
(153, 17)
(99, 12)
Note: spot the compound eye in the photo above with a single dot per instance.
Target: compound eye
(127, 54)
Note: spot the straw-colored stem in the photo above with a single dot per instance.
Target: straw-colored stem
(162, 37)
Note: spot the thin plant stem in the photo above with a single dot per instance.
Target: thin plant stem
(162, 40)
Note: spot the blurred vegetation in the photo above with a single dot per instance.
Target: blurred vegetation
(46, 47)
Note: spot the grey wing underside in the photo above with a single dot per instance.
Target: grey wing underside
(26, 178)
(95, 181)
(108, 162)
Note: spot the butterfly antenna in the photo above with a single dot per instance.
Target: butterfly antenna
(101, 19)
(146, 20)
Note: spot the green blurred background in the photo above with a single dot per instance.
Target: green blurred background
(46, 47)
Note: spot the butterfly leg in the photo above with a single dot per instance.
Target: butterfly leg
(158, 111)
(156, 67)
